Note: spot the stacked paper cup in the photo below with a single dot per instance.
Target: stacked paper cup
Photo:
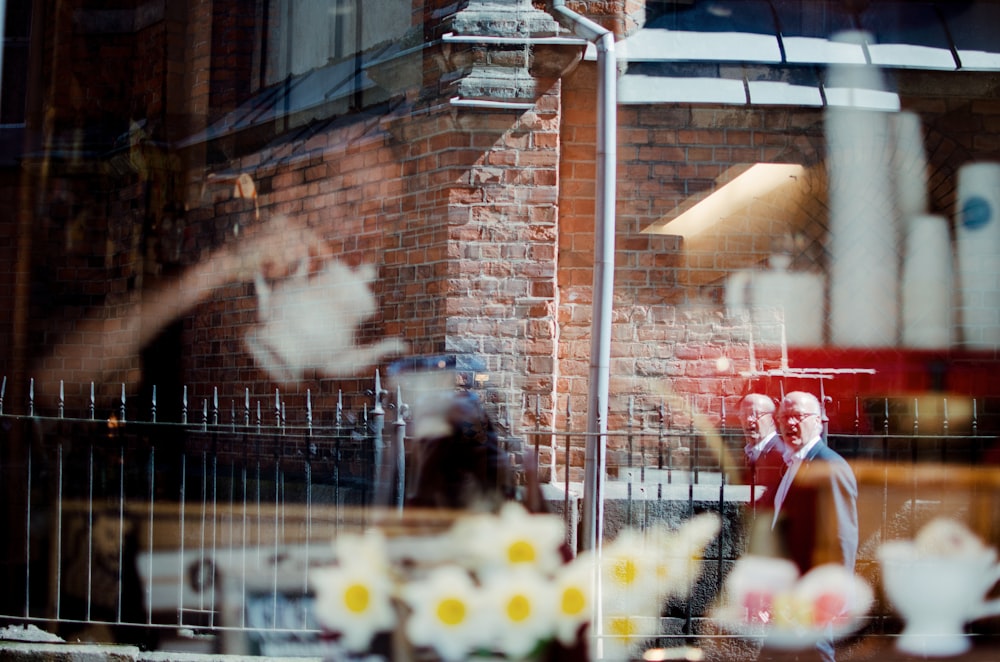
(977, 234)
(909, 165)
(927, 284)
(864, 258)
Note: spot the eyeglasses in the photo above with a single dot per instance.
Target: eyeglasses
(756, 416)
(796, 418)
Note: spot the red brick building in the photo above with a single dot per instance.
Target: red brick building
(457, 147)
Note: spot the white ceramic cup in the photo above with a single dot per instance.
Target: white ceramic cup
(937, 595)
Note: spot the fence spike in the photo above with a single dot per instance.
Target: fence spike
(3, 390)
(506, 413)
(975, 417)
(885, 421)
(400, 406)
(631, 441)
(690, 407)
(153, 409)
(123, 404)
(62, 399)
(857, 414)
(916, 416)
(309, 411)
(246, 407)
(31, 397)
(204, 413)
(944, 416)
(184, 405)
(93, 405)
(340, 407)
(377, 408)
(277, 408)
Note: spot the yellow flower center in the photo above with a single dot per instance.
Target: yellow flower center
(624, 571)
(573, 601)
(356, 598)
(521, 551)
(518, 608)
(451, 611)
(790, 611)
(622, 626)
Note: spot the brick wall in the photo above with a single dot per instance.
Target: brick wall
(347, 184)
(461, 222)
(456, 206)
(481, 221)
(235, 35)
(672, 341)
(86, 197)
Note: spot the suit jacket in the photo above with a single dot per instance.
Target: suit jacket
(818, 520)
(766, 472)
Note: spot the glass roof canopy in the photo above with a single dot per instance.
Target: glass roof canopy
(775, 52)
(746, 52)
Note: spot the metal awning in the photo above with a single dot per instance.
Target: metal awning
(776, 52)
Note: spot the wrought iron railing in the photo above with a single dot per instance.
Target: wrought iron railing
(124, 526)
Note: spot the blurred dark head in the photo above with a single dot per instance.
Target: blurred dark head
(458, 459)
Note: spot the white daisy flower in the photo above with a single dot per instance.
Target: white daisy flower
(622, 635)
(628, 573)
(448, 615)
(523, 607)
(370, 545)
(693, 536)
(354, 599)
(513, 539)
(680, 553)
(574, 597)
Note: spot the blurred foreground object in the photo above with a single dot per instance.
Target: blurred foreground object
(457, 596)
(309, 323)
(977, 244)
(458, 460)
(766, 597)
(938, 582)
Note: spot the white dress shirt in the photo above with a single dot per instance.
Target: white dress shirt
(794, 461)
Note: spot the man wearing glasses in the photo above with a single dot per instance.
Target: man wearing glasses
(816, 475)
(815, 506)
(764, 451)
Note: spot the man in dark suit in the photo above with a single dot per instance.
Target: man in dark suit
(815, 504)
(816, 475)
(764, 451)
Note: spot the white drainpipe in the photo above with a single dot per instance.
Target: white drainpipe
(595, 460)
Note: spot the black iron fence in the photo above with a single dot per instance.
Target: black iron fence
(120, 528)
(115, 527)
(912, 458)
